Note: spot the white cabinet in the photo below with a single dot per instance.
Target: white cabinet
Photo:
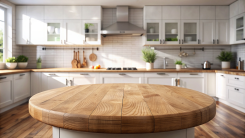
(55, 80)
(72, 32)
(121, 78)
(72, 12)
(190, 12)
(22, 86)
(171, 12)
(207, 12)
(35, 12)
(22, 31)
(84, 78)
(234, 9)
(153, 31)
(37, 31)
(221, 86)
(241, 4)
(170, 32)
(161, 78)
(194, 81)
(237, 29)
(152, 12)
(91, 12)
(207, 31)
(54, 37)
(92, 34)
(190, 31)
(53, 12)
(222, 12)
(21, 13)
(6, 91)
(236, 96)
(36, 78)
(222, 32)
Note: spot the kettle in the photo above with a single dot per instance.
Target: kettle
(206, 65)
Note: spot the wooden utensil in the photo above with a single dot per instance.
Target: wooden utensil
(84, 61)
(79, 65)
(92, 57)
(74, 61)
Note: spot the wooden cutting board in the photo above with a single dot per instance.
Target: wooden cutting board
(92, 57)
(79, 65)
(74, 61)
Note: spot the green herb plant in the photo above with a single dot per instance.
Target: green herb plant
(149, 55)
(87, 25)
(22, 58)
(178, 62)
(11, 60)
(39, 60)
(225, 56)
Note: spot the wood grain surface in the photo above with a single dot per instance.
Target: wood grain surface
(122, 108)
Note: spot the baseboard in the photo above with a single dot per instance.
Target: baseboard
(232, 105)
(14, 105)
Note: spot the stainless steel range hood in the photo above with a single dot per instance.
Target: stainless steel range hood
(122, 26)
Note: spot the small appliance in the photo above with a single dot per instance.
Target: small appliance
(206, 65)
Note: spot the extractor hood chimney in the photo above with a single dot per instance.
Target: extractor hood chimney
(122, 26)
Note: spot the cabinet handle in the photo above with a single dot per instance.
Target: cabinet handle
(222, 75)
(176, 81)
(71, 82)
(213, 41)
(160, 41)
(179, 41)
(22, 74)
(182, 41)
(161, 74)
(2, 78)
(52, 74)
(84, 74)
(193, 74)
(237, 78)
(66, 82)
(236, 89)
(217, 41)
(122, 74)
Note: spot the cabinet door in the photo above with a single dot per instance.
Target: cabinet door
(37, 31)
(53, 12)
(222, 32)
(54, 80)
(35, 82)
(234, 9)
(194, 81)
(190, 31)
(21, 13)
(72, 12)
(153, 31)
(161, 78)
(236, 96)
(207, 12)
(190, 12)
(121, 78)
(54, 32)
(73, 32)
(85, 78)
(22, 31)
(207, 31)
(222, 12)
(171, 31)
(6, 91)
(221, 86)
(92, 34)
(239, 28)
(152, 12)
(91, 12)
(35, 12)
(170, 12)
(241, 6)
(22, 86)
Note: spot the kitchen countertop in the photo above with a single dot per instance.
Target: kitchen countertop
(226, 71)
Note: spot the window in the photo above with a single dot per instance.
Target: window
(2, 33)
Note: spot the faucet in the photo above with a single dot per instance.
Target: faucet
(165, 63)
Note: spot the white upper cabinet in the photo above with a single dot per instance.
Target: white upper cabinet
(53, 12)
(54, 32)
(190, 31)
(190, 12)
(222, 12)
(91, 12)
(91, 35)
(22, 31)
(170, 12)
(241, 6)
(73, 32)
(153, 12)
(234, 9)
(207, 31)
(171, 31)
(37, 31)
(35, 12)
(21, 13)
(153, 31)
(72, 12)
(207, 12)
(222, 32)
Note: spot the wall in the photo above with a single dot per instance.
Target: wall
(122, 50)
(238, 51)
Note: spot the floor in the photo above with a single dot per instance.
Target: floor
(17, 123)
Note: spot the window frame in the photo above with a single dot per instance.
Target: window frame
(4, 32)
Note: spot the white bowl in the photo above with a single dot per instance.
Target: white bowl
(2, 65)
(22, 65)
(57, 30)
(11, 65)
(174, 31)
(50, 29)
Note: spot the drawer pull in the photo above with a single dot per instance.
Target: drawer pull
(22, 74)
(236, 89)
(237, 78)
(84, 74)
(2, 78)
(66, 82)
(161, 74)
(122, 74)
(193, 74)
(52, 74)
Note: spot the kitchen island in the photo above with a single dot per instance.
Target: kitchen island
(122, 110)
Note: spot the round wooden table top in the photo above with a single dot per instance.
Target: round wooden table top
(122, 108)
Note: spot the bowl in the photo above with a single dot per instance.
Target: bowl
(22, 65)
(11, 65)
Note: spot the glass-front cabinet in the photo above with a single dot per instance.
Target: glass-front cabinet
(190, 31)
(171, 32)
(91, 31)
(54, 32)
(153, 31)
(239, 26)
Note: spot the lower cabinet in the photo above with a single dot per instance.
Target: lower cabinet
(121, 78)
(161, 78)
(221, 86)
(55, 80)
(22, 86)
(194, 81)
(84, 78)
(6, 95)
(236, 96)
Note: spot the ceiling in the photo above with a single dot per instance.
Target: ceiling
(114, 3)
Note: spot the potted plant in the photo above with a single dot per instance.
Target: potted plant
(225, 57)
(39, 63)
(22, 61)
(149, 56)
(87, 25)
(178, 64)
(11, 63)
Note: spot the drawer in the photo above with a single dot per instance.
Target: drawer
(6, 78)
(236, 96)
(237, 81)
(194, 74)
(55, 74)
(161, 74)
(22, 75)
(83, 74)
(122, 74)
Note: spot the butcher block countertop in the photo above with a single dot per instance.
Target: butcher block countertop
(226, 71)
(122, 108)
